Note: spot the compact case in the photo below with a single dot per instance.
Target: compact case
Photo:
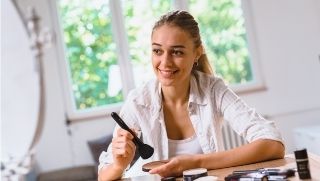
(193, 174)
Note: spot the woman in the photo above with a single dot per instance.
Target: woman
(181, 113)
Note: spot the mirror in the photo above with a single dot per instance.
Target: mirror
(20, 86)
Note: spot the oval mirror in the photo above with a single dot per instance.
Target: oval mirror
(19, 85)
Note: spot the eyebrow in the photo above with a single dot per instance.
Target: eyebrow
(174, 46)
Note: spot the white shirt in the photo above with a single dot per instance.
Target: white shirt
(210, 103)
(186, 146)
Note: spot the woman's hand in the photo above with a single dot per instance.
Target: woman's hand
(176, 166)
(123, 149)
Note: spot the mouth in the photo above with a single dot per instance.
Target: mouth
(167, 73)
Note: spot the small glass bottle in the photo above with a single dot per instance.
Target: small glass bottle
(302, 164)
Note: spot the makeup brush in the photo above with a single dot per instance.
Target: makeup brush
(145, 151)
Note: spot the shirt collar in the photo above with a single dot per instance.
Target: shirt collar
(148, 95)
(196, 91)
(151, 94)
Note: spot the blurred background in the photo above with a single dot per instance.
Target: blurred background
(94, 52)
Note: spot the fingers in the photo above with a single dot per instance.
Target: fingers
(171, 168)
(165, 170)
(122, 145)
(158, 170)
(123, 148)
(123, 133)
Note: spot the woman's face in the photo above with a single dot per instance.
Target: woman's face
(173, 55)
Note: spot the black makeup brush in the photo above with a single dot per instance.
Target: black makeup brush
(145, 151)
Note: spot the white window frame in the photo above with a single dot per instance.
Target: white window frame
(124, 62)
(258, 82)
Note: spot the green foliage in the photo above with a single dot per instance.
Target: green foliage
(138, 23)
(222, 24)
(90, 51)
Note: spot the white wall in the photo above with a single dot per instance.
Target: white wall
(287, 34)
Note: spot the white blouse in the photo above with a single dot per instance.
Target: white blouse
(187, 146)
(210, 103)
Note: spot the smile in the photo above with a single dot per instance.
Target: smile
(167, 73)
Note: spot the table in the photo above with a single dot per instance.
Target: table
(287, 162)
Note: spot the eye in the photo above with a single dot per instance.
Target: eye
(156, 51)
(177, 52)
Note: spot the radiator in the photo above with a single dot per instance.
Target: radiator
(230, 138)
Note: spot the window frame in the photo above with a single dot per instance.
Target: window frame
(122, 54)
(124, 61)
(258, 82)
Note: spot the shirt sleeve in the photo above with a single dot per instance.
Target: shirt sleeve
(243, 119)
(106, 157)
(126, 113)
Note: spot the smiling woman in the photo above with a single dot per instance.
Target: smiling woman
(173, 61)
(104, 49)
(181, 112)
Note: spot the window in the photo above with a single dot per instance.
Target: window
(95, 80)
(137, 13)
(107, 49)
(222, 22)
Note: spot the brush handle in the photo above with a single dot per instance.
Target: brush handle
(124, 126)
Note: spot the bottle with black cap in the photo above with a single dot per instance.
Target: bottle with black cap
(302, 164)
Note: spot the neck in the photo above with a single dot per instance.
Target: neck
(178, 95)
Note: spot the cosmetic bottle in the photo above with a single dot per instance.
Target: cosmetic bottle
(302, 164)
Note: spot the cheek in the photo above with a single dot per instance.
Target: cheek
(191, 64)
(186, 64)
(155, 62)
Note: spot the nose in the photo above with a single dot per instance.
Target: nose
(166, 59)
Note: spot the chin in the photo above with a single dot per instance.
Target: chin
(166, 82)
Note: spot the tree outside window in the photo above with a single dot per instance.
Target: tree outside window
(91, 50)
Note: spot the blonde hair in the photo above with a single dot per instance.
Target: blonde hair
(187, 23)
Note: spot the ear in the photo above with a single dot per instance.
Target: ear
(199, 51)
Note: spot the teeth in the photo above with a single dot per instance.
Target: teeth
(166, 73)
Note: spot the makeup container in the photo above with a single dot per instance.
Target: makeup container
(207, 178)
(250, 176)
(151, 165)
(168, 179)
(302, 164)
(193, 174)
